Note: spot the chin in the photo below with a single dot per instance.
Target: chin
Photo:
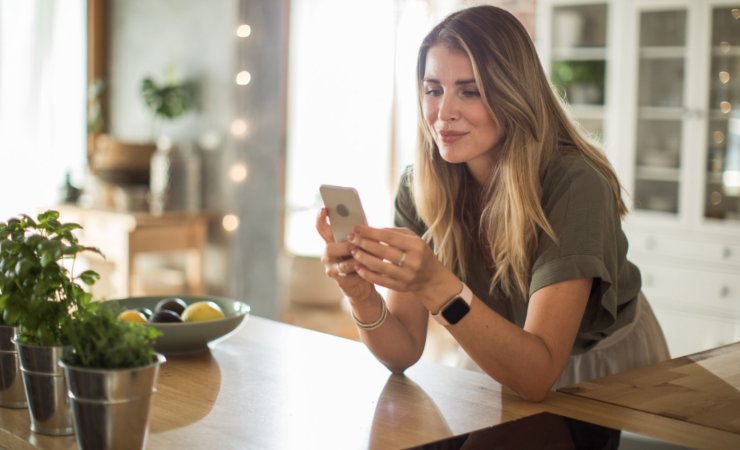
(451, 156)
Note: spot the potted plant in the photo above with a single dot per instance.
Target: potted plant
(41, 295)
(111, 370)
(12, 394)
(167, 100)
(175, 169)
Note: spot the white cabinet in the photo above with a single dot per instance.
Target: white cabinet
(671, 127)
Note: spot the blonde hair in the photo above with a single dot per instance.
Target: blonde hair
(506, 214)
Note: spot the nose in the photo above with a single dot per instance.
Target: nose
(448, 108)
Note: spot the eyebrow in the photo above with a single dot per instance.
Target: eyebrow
(458, 82)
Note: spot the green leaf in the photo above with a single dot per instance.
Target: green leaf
(89, 277)
(50, 251)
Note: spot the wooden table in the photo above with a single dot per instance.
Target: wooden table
(122, 236)
(276, 386)
(703, 388)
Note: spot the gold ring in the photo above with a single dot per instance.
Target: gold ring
(402, 260)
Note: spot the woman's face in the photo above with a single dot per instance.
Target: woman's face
(455, 112)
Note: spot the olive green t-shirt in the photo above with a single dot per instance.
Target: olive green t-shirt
(591, 244)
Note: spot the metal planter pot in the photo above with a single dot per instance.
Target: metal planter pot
(111, 406)
(45, 387)
(12, 394)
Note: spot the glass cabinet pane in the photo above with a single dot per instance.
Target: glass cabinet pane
(660, 115)
(722, 199)
(579, 39)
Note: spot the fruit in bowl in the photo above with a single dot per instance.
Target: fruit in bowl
(202, 311)
(209, 320)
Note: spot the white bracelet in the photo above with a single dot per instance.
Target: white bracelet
(377, 323)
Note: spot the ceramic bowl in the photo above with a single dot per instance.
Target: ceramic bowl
(189, 337)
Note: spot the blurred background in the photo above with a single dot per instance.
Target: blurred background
(189, 137)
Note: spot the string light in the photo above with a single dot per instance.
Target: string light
(230, 222)
(243, 30)
(724, 47)
(243, 78)
(724, 77)
(238, 172)
(239, 128)
(735, 13)
(725, 107)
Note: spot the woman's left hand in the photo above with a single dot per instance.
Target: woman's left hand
(398, 259)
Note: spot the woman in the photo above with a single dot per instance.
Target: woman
(509, 227)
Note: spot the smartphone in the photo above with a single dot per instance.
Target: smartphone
(344, 209)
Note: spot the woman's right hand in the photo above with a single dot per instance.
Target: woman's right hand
(339, 264)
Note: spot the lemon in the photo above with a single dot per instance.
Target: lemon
(131, 315)
(202, 311)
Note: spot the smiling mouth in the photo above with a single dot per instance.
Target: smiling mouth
(448, 137)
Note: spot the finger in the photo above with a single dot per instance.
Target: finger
(381, 280)
(391, 236)
(345, 268)
(322, 226)
(376, 264)
(338, 251)
(380, 250)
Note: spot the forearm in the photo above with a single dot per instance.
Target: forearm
(514, 357)
(393, 343)
(528, 360)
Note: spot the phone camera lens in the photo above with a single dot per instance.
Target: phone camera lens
(342, 210)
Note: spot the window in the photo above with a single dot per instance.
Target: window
(42, 101)
(352, 106)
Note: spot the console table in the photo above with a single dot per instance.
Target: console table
(122, 236)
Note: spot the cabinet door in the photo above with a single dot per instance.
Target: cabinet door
(722, 183)
(660, 107)
(688, 332)
(578, 60)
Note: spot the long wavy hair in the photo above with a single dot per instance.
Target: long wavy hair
(505, 214)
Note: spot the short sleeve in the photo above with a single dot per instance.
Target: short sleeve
(583, 213)
(405, 215)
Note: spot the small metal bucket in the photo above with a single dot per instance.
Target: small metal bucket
(46, 391)
(111, 406)
(12, 394)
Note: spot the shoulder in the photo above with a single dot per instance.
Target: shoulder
(407, 177)
(406, 214)
(570, 174)
(405, 184)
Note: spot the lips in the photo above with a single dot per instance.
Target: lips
(449, 137)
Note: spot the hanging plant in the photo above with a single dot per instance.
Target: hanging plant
(169, 100)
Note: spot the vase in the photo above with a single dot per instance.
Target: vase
(45, 387)
(111, 406)
(12, 394)
(175, 178)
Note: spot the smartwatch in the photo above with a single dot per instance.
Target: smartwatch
(454, 310)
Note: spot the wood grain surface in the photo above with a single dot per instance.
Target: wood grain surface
(703, 389)
(277, 386)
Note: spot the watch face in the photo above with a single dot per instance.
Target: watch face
(455, 311)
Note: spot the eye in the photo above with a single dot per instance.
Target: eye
(433, 91)
(471, 93)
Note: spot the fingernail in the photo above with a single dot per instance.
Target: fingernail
(353, 251)
(351, 237)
